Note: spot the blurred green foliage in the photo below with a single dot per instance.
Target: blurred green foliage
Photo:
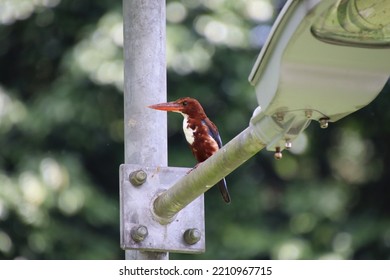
(61, 139)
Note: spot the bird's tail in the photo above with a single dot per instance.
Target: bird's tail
(224, 190)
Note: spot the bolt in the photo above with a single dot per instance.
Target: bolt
(279, 116)
(288, 144)
(192, 236)
(137, 178)
(324, 122)
(139, 233)
(278, 154)
(308, 114)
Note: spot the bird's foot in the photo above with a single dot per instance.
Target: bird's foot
(193, 168)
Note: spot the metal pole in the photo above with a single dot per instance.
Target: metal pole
(145, 84)
(198, 181)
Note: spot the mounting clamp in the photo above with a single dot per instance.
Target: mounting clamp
(141, 228)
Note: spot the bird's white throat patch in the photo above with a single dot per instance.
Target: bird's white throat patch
(188, 132)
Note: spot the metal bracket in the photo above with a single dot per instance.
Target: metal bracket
(278, 129)
(140, 229)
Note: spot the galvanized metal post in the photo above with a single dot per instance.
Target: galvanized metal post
(145, 84)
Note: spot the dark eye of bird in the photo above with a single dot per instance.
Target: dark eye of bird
(185, 103)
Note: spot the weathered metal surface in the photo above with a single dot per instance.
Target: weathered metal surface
(136, 209)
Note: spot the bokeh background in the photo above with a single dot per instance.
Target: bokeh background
(61, 139)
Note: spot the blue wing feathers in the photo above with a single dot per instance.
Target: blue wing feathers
(213, 132)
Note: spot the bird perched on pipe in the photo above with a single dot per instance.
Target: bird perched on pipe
(201, 134)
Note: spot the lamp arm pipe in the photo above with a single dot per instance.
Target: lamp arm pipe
(207, 174)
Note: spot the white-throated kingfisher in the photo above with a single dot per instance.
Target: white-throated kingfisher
(201, 134)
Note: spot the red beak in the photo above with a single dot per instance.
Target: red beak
(169, 106)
